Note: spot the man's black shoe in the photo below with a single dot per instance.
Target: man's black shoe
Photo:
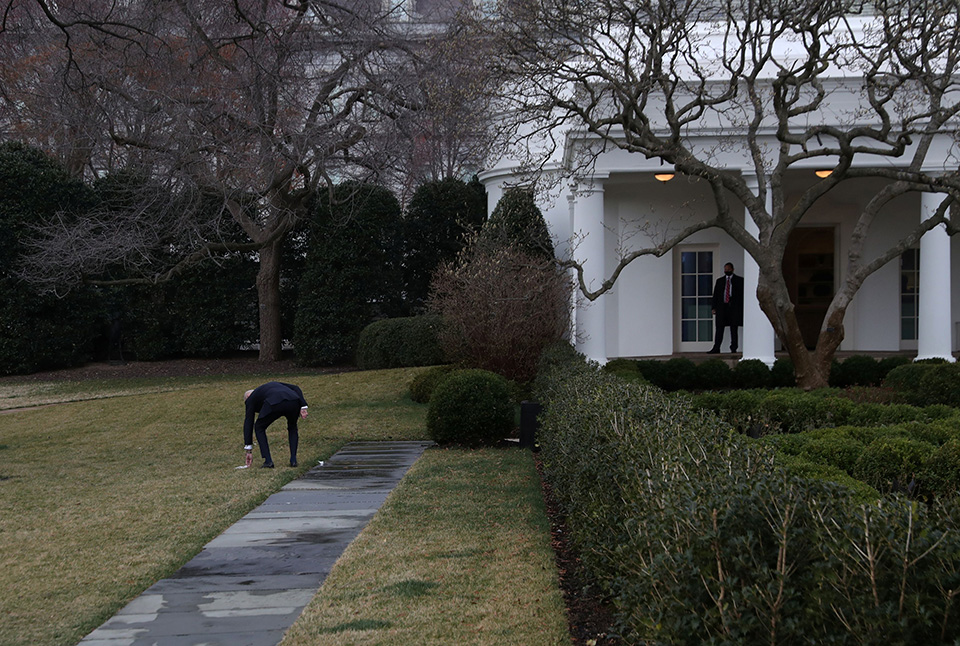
(293, 462)
(266, 465)
(713, 351)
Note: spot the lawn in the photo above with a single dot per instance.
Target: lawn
(459, 554)
(120, 482)
(101, 497)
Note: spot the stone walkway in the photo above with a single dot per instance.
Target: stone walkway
(249, 585)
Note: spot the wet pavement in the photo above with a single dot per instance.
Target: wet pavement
(248, 585)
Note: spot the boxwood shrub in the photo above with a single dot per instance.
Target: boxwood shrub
(857, 370)
(714, 374)
(860, 492)
(837, 449)
(940, 474)
(891, 463)
(471, 407)
(400, 342)
(751, 373)
(698, 536)
(941, 385)
(423, 385)
(905, 381)
(857, 373)
(783, 374)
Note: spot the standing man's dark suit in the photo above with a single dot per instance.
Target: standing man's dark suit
(272, 401)
(727, 307)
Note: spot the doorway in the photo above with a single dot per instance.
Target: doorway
(809, 270)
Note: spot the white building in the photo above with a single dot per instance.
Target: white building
(661, 306)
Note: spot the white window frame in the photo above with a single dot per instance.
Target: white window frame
(679, 344)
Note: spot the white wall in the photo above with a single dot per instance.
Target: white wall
(640, 311)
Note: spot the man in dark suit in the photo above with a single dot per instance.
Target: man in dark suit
(727, 307)
(270, 402)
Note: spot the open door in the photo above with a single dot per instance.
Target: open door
(810, 273)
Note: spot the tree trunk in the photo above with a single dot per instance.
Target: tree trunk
(268, 296)
(812, 368)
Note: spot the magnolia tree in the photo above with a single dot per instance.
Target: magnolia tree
(232, 109)
(782, 84)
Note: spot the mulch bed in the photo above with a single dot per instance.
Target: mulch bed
(591, 618)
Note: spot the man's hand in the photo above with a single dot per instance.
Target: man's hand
(303, 413)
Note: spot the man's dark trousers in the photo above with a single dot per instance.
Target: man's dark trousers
(726, 318)
(289, 409)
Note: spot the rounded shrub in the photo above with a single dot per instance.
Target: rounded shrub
(400, 343)
(783, 375)
(714, 374)
(794, 411)
(741, 409)
(787, 444)
(625, 369)
(679, 373)
(940, 474)
(890, 464)
(839, 410)
(471, 407)
(423, 385)
(870, 414)
(905, 381)
(889, 363)
(936, 432)
(751, 373)
(837, 449)
(940, 385)
(653, 371)
(938, 412)
(804, 468)
(858, 370)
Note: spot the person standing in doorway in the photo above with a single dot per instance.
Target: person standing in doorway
(727, 307)
(268, 403)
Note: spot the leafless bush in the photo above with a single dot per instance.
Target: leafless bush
(501, 308)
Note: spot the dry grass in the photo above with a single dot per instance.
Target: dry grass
(459, 554)
(101, 497)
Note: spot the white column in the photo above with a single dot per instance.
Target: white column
(934, 333)
(494, 193)
(757, 337)
(588, 229)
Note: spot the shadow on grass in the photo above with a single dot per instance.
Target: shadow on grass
(358, 624)
(411, 588)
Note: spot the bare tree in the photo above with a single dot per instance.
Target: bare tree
(256, 103)
(771, 77)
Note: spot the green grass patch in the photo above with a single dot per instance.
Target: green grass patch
(124, 481)
(459, 554)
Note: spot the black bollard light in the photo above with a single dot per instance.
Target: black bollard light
(529, 411)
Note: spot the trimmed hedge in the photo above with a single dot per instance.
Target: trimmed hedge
(857, 371)
(400, 343)
(891, 463)
(698, 536)
(795, 411)
(925, 383)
